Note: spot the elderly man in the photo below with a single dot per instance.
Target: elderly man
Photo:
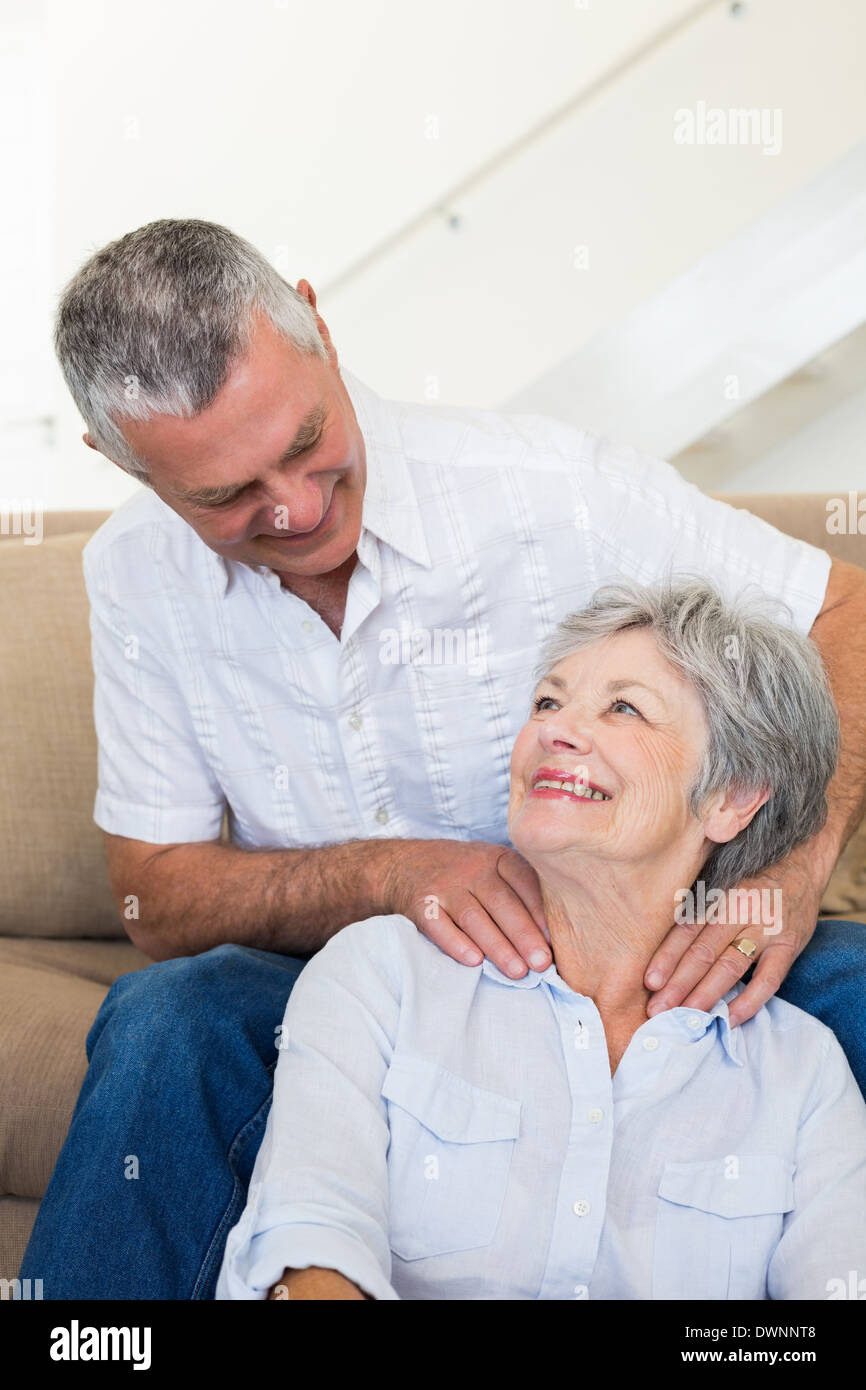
(316, 618)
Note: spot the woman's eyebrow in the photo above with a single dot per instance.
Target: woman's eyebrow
(627, 682)
(619, 683)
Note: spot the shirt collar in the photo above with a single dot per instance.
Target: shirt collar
(390, 509)
(685, 1020)
(681, 1021)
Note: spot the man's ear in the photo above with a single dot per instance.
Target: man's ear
(89, 442)
(305, 288)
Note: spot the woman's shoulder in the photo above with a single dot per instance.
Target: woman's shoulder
(384, 941)
(799, 1039)
(389, 948)
(778, 1016)
(372, 935)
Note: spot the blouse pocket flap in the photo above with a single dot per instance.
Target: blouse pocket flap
(737, 1185)
(450, 1107)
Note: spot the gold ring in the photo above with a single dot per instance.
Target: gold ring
(747, 947)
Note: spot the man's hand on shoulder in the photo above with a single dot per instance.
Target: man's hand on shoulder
(472, 899)
(698, 962)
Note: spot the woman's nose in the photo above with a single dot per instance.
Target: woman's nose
(570, 731)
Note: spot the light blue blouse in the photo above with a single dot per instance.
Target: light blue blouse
(441, 1131)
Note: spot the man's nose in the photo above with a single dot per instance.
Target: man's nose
(286, 510)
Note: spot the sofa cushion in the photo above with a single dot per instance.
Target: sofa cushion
(50, 993)
(17, 1215)
(44, 1019)
(845, 894)
(53, 877)
(100, 961)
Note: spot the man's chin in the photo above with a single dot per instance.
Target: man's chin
(284, 557)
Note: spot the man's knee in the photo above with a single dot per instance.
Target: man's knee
(836, 953)
(176, 1001)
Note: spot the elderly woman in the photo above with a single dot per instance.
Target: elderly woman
(441, 1131)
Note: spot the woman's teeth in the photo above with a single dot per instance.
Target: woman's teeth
(575, 788)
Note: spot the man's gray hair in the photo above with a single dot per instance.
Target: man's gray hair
(154, 322)
(769, 709)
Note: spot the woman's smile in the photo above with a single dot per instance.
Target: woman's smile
(554, 782)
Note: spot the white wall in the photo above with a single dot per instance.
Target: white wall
(338, 135)
(827, 455)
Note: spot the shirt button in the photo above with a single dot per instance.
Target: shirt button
(381, 815)
(581, 1208)
(650, 1044)
(581, 1291)
(355, 720)
(595, 1115)
(696, 1022)
(307, 625)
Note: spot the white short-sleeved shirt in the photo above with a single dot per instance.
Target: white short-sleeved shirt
(215, 687)
(455, 1134)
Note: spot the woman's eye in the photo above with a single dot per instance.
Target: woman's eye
(541, 700)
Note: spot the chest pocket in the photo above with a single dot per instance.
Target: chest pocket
(717, 1225)
(448, 1159)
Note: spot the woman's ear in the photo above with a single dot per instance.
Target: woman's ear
(731, 811)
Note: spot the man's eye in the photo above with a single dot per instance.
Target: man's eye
(219, 502)
(633, 708)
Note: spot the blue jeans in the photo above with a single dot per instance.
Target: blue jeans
(156, 1165)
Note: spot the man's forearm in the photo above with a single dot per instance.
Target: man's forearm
(189, 898)
(839, 632)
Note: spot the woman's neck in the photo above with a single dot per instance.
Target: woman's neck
(605, 923)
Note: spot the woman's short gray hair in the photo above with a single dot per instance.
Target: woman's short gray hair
(154, 322)
(771, 716)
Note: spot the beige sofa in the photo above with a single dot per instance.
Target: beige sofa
(62, 941)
